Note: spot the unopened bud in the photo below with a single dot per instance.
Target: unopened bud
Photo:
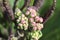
(23, 15)
(27, 13)
(37, 19)
(18, 12)
(39, 26)
(31, 20)
(25, 27)
(23, 21)
(33, 24)
(34, 28)
(18, 20)
(41, 19)
(32, 15)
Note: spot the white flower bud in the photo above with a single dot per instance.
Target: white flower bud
(37, 19)
(23, 16)
(34, 28)
(20, 26)
(39, 26)
(23, 21)
(31, 19)
(26, 19)
(41, 19)
(34, 24)
(18, 12)
(25, 26)
(27, 13)
(18, 20)
(32, 15)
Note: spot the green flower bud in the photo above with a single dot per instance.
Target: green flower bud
(17, 12)
(20, 26)
(25, 26)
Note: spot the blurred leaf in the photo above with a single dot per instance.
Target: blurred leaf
(51, 29)
(43, 10)
(3, 31)
(13, 25)
(1, 15)
(31, 3)
(20, 3)
(11, 2)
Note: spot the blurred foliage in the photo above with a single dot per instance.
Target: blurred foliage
(51, 30)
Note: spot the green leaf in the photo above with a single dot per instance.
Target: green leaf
(11, 2)
(13, 25)
(51, 29)
(3, 31)
(32, 2)
(43, 10)
(20, 3)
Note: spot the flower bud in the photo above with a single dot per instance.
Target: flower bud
(18, 20)
(25, 26)
(37, 19)
(39, 26)
(41, 19)
(18, 12)
(23, 16)
(27, 13)
(20, 26)
(31, 19)
(34, 28)
(23, 21)
(33, 12)
(32, 15)
(26, 19)
(33, 24)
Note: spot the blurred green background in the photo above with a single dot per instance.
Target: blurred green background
(51, 30)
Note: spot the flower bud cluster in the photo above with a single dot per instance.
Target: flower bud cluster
(30, 20)
(35, 35)
(34, 20)
(22, 20)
